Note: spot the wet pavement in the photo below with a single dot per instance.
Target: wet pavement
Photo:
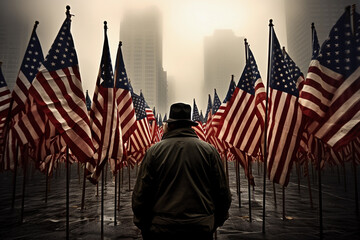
(48, 220)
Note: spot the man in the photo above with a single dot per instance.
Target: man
(181, 190)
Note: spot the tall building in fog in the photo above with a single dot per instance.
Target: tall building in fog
(141, 35)
(223, 56)
(12, 50)
(300, 15)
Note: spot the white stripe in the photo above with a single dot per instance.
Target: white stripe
(337, 115)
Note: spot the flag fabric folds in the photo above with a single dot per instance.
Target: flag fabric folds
(124, 100)
(285, 117)
(141, 137)
(242, 120)
(104, 120)
(57, 91)
(5, 98)
(331, 94)
(196, 118)
(28, 70)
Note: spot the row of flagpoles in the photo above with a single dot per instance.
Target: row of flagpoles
(295, 119)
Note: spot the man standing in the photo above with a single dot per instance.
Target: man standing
(181, 190)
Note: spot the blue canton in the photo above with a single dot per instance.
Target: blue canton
(139, 105)
(195, 116)
(107, 77)
(121, 80)
(209, 108)
(230, 92)
(217, 103)
(62, 53)
(249, 75)
(280, 78)
(341, 51)
(33, 58)
(294, 70)
(315, 45)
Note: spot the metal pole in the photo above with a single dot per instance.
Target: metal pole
(355, 179)
(239, 192)
(115, 204)
(24, 182)
(266, 121)
(283, 203)
(249, 190)
(67, 193)
(14, 177)
(102, 203)
(320, 196)
(309, 185)
(119, 186)
(83, 189)
(46, 183)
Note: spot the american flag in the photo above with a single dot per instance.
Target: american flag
(208, 113)
(294, 71)
(331, 94)
(196, 118)
(28, 70)
(58, 92)
(149, 113)
(285, 117)
(210, 129)
(150, 116)
(315, 42)
(123, 97)
(141, 138)
(240, 124)
(5, 98)
(103, 114)
(216, 118)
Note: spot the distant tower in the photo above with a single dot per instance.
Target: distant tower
(141, 34)
(224, 55)
(13, 42)
(300, 15)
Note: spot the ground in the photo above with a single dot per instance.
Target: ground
(48, 220)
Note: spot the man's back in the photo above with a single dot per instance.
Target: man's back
(184, 183)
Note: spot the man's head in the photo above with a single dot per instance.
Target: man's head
(180, 116)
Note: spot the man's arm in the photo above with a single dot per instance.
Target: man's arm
(222, 195)
(142, 195)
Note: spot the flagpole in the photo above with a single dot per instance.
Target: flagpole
(248, 165)
(24, 182)
(46, 182)
(119, 186)
(14, 176)
(355, 179)
(115, 176)
(102, 203)
(283, 203)
(83, 189)
(320, 195)
(266, 121)
(67, 189)
(308, 181)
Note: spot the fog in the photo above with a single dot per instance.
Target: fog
(185, 24)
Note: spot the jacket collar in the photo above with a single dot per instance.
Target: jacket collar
(180, 132)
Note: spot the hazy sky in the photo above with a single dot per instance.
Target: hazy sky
(185, 24)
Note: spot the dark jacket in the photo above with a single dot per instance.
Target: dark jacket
(181, 186)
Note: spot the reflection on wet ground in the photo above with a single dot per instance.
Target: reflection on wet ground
(47, 220)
